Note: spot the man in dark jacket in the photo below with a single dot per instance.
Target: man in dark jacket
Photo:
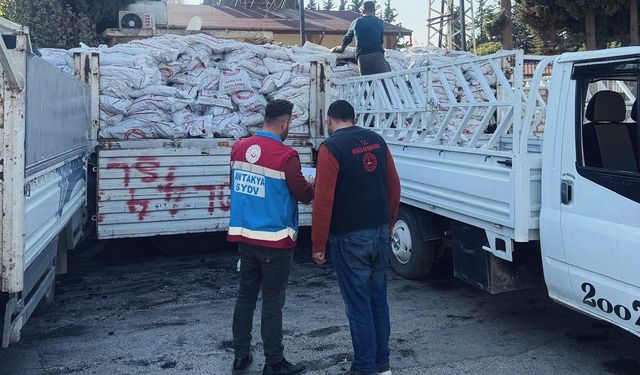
(368, 32)
(356, 203)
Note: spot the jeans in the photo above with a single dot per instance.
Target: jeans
(360, 262)
(266, 269)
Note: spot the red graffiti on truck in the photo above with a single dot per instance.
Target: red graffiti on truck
(217, 196)
(149, 174)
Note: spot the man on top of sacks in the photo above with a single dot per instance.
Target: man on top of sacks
(368, 32)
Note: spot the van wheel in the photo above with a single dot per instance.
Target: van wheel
(412, 257)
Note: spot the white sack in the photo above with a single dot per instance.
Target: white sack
(160, 90)
(232, 81)
(214, 99)
(249, 101)
(162, 103)
(135, 129)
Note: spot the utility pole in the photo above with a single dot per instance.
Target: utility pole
(303, 34)
(463, 29)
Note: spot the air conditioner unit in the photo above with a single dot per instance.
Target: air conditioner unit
(136, 21)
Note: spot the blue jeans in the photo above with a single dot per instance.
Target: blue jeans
(360, 262)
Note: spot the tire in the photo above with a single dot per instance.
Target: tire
(411, 257)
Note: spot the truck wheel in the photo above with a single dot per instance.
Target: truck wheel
(412, 257)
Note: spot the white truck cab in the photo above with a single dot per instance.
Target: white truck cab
(590, 219)
(518, 175)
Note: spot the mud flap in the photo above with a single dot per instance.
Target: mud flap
(39, 281)
(478, 267)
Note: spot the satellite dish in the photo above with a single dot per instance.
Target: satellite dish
(195, 24)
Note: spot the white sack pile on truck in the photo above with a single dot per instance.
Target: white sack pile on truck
(199, 86)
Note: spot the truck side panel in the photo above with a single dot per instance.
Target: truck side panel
(57, 115)
(439, 181)
(178, 188)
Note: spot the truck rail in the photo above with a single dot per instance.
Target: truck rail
(466, 138)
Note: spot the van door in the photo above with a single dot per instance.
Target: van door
(600, 193)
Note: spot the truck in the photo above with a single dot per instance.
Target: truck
(519, 178)
(62, 186)
(43, 186)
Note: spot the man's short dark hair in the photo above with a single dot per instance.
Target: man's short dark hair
(342, 110)
(277, 108)
(369, 7)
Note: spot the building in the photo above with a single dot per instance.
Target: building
(281, 25)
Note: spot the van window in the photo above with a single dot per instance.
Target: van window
(607, 133)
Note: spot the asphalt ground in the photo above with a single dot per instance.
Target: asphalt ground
(134, 310)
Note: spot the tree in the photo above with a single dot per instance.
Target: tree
(634, 39)
(588, 10)
(356, 5)
(342, 5)
(389, 15)
(103, 13)
(51, 22)
(552, 28)
(488, 48)
(64, 23)
(328, 5)
(491, 27)
(312, 5)
(507, 27)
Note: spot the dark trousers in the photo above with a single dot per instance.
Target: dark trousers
(360, 261)
(266, 269)
(373, 63)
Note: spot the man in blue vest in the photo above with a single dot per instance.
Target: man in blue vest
(266, 185)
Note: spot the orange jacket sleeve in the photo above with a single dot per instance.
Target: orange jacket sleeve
(393, 190)
(327, 168)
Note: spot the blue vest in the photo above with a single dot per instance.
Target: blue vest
(263, 211)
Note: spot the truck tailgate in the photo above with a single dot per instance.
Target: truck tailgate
(148, 188)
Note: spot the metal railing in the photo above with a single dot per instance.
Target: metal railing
(467, 103)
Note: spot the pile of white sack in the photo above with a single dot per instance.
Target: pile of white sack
(199, 86)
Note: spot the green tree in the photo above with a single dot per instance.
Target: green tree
(356, 5)
(589, 11)
(328, 5)
(312, 5)
(51, 22)
(488, 48)
(552, 28)
(491, 27)
(64, 23)
(390, 14)
(102, 13)
(342, 5)
(634, 38)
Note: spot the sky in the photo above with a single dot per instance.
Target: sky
(411, 13)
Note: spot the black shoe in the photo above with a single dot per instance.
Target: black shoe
(283, 368)
(240, 364)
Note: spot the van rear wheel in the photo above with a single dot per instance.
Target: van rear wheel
(412, 257)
